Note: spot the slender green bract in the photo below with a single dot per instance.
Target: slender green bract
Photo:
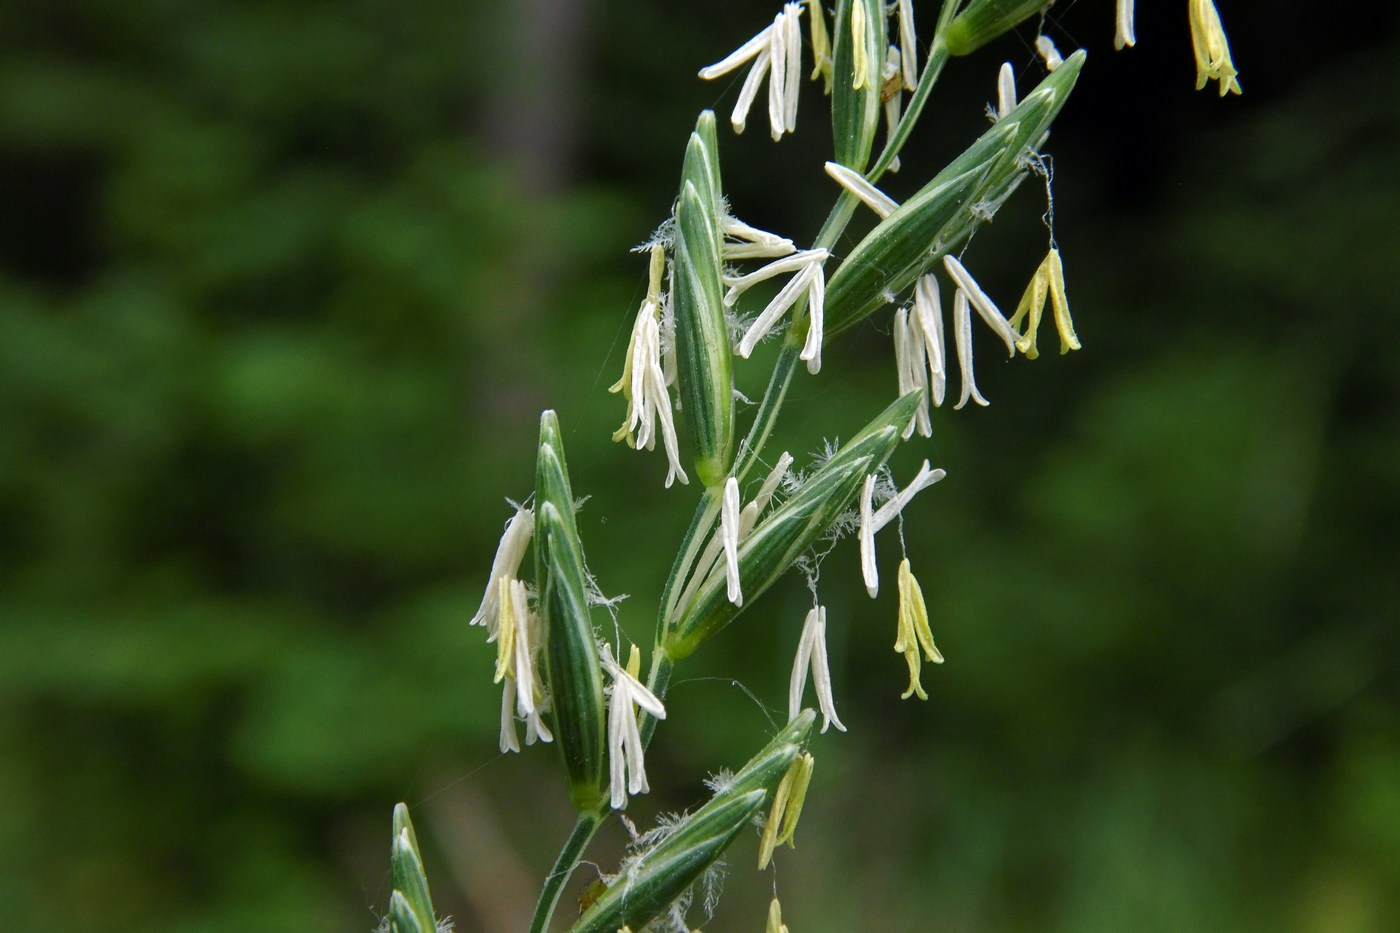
(404, 825)
(983, 20)
(410, 904)
(705, 375)
(640, 895)
(662, 874)
(767, 768)
(402, 919)
(1028, 123)
(855, 110)
(572, 671)
(900, 248)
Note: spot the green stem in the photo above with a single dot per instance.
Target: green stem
(836, 221)
(657, 681)
(706, 511)
(768, 409)
(564, 866)
(945, 16)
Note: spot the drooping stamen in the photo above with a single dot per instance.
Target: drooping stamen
(856, 183)
(1125, 35)
(984, 305)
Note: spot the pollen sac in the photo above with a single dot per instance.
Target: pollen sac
(947, 211)
(705, 374)
(572, 673)
(781, 537)
(857, 59)
(781, 825)
(984, 20)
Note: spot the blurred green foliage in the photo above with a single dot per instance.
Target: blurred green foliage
(279, 305)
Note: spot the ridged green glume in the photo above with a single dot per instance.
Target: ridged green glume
(983, 20)
(703, 355)
(858, 55)
(572, 672)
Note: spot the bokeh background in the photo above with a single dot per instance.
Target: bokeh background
(283, 287)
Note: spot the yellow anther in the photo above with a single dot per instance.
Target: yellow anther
(1212, 48)
(821, 43)
(860, 62)
(645, 340)
(914, 632)
(787, 808)
(1048, 282)
(505, 630)
(655, 271)
(775, 918)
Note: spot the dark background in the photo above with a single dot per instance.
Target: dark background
(284, 286)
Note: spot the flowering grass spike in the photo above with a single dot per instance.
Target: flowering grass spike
(694, 335)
